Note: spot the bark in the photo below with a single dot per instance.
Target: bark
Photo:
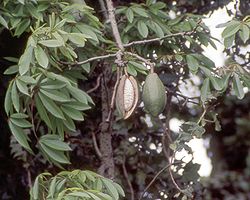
(107, 167)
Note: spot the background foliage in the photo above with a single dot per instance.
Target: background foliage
(56, 104)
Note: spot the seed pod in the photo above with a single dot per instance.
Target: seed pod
(127, 96)
(154, 94)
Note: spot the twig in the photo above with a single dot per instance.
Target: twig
(171, 160)
(97, 150)
(96, 86)
(153, 180)
(187, 99)
(147, 61)
(119, 54)
(32, 119)
(103, 9)
(158, 39)
(89, 60)
(202, 115)
(125, 173)
(114, 26)
(112, 104)
(164, 37)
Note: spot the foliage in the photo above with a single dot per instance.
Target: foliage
(74, 185)
(45, 99)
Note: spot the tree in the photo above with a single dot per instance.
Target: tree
(66, 74)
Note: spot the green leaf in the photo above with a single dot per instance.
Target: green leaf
(19, 116)
(58, 156)
(111, 188)
(25, 60)
(20, 136)
(158, 30)
(51, 43)
(55, 95)
(22, 27)
(119, 189)
(11, 59)
(51, 106)
(205, 90)
(245, 33)
(131, 70)
(193, 64)
(130, 15)
(55, 143)
(78, 39)
(78, 94)
(238, 87)
(23, 123)
(3, 22)
(72, 113)
(22, 87)
(77, 105)
(8, 100)
(228, 42)
(138, 65)
(231, 30)
(35, 189)
(42, 112)
(143, 29)
(27, 79)
(69, 123)
(52, 188)
(140, 11)
(41, 57)
(217, 83)
(15, 97)
(58, 77)
(79, 194)
(11, 70)
(178, 57)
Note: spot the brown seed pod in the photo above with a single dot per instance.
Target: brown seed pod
(127, 96)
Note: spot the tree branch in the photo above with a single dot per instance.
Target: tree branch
(157, 39)
(89, 60)
(118, 60)
(103, 9)
(114, 26)
(146, 61)
(96, 86)
(125, 173)
(97, 150)
(187, 99)
(161, 38)
(153, 180)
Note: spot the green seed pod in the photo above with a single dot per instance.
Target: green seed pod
(154, 95)
(127, 96)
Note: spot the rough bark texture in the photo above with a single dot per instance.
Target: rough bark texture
(105, 138)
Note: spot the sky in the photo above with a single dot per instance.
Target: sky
(199, 145)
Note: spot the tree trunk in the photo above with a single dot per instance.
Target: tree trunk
(105, 138)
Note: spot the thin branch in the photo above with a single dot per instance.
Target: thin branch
(161, 38)
(112, 104)
(114, 26)
(187, 99)
(90, 59)
(98, 81)
(171, 160)
(202, 115)
(147, 61)
(157, 39)
(125, 173)
(103, 9)
(97, 150)
(119, 54)
(153, 180)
